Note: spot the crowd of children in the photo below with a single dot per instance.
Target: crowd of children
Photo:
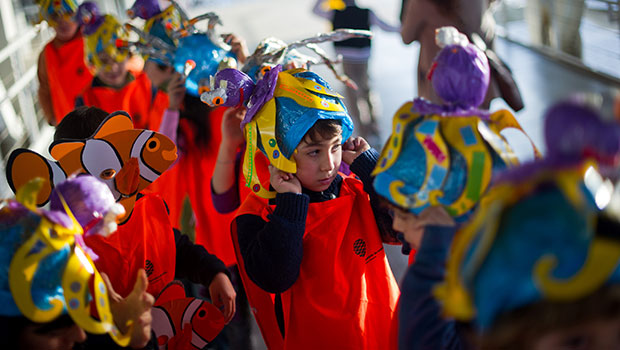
(291, 211)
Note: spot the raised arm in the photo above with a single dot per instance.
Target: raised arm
(375, 20)
(272, 250)
(319, 11)
(362, 166)
(420, 324)
(413, 21)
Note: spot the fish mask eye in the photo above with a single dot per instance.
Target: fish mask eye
(152, 145)
(107, 174)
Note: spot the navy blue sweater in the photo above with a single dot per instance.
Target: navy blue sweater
(420, 324)
(272, 250)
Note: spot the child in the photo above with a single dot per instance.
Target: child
(563, 290)
(195, 127)
(342, 293)
(115, 87)
(541, 205)
(61, 68)
(355, 54)
(37, 310)
(149, 214)
(441, 159)
(446, 154)
(270, 52)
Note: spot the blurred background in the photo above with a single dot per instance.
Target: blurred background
(546, 69)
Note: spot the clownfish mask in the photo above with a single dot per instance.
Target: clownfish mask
(127, 160)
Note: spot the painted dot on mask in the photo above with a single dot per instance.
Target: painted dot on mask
(75, 287)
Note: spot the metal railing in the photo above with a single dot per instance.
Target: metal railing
(538, 24)
(21, 120)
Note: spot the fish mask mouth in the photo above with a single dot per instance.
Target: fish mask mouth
(128, 178)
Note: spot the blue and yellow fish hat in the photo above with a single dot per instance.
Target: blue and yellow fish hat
(102, 34)
(281, 110)
(51, 10)
(446, 160)
(447, 154)
(158, 25)
(205, 58)
(540, 234)
(47, 270)
(173, 39)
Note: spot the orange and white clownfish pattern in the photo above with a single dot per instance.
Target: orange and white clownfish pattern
(127, 160)
(181, 322)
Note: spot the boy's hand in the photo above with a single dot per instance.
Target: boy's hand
(283, 182)
(223, 295)
(176, 91)
(136, 307)
(232, 135)
(238, 47)
(159, 75)
(353, 148)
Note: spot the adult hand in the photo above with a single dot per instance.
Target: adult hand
(136, 307)
(353, 148)
(283, 182)
(238, 47)
(223, 295)
(176, 91)
(232, 135)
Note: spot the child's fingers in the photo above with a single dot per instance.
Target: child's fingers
(348, 145)
(111, 292)
(227, 38)
(229, 309)
(142, 282)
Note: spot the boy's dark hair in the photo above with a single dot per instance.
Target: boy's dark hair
(197, 112)
(520, 328)
(80, 123)
(12, 327)
(323, 129)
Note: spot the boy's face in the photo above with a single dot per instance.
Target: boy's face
(318, 162)
(65, 26)
(600, 334)
(112, 72)
(409, 225)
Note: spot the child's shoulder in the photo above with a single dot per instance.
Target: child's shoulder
(253, 204)
(352, 182)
